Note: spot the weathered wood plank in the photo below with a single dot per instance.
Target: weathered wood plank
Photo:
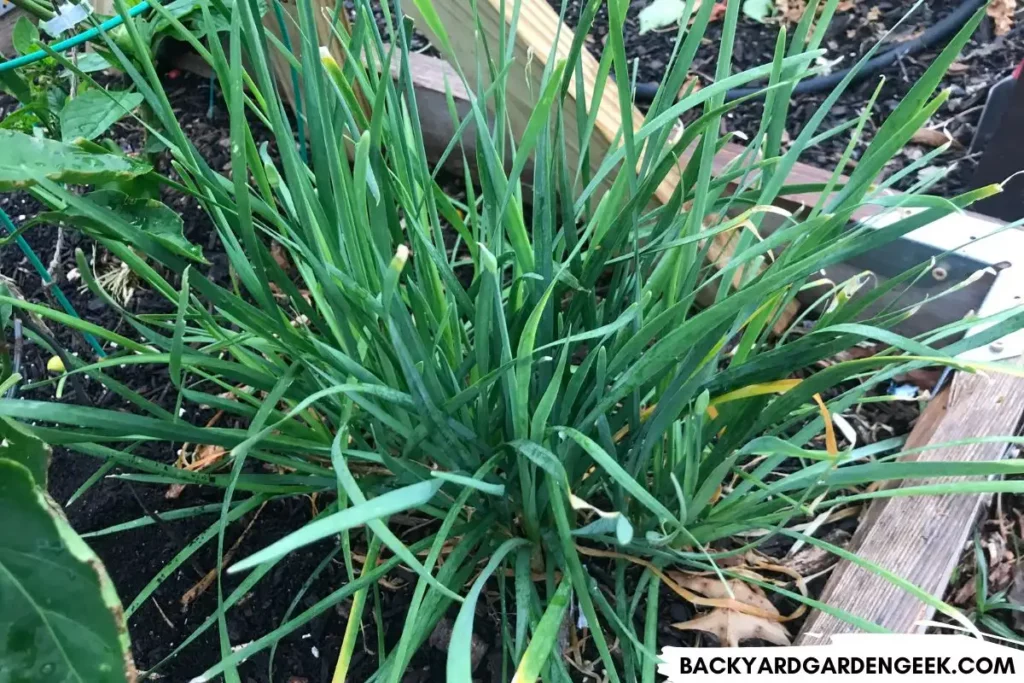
(537, 31)
(920, 538)
(7, 22)
(322, 10)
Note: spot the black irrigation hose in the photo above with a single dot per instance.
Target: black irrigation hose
(939, 31)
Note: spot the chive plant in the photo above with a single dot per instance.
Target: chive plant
(576, 381)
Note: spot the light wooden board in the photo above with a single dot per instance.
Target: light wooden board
(921, 538)
(537, 30)
(322, 10)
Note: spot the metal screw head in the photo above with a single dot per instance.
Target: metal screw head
(996, 346)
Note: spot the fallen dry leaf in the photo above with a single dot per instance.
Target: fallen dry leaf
(441, 638)
(205, 456)
(717, 12)
(811, 559)
(931, 137)
(1016, 595)
(732, 627)
(712, 587)
(1002, 12)
(924, 379)
(845, 5)
(174, 491)
(200, 587)
(280, 256)
(791, 10)
(874, 14)
(690, 85)
(729, 625)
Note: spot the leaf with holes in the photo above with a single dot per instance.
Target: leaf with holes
(26, 159)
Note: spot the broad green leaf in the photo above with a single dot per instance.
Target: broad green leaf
(12, 82)
(60, 619)
(24, 36)
(90, 62)
(26, 158)
(22, 446)
(151, 216)
(659, 14)
(759, 10)
(91, 113)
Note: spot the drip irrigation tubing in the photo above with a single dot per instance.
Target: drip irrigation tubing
(48, 281)
(938, 32)
(73, 41)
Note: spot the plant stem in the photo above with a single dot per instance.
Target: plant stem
(34, 8)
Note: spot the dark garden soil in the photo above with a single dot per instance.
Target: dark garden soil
(995, 553)
(985, 60)
(133, 558)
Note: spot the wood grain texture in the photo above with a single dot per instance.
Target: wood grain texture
(537, 30)
(921, 538)
(322, 10)
(7, 23)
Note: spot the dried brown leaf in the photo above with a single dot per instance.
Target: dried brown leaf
(1002, 12)
(713, 587)
(874, 14)
(205, 456)
(1000, 577)
(811, 560)
(732, 627)
(280, 257)
(791, 10)
(931, 137)
(174, 491)
(1016, 595)
(204, 583)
